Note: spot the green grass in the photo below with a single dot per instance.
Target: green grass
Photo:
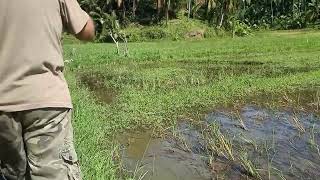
(162, 82)
(177, 29)
(95, 152)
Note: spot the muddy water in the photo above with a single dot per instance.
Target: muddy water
(282, 143)
(166, 159)
(279, 143)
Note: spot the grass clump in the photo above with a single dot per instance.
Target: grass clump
(178, 29)
(95, 153)
(219, 144)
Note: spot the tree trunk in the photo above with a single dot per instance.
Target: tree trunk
(167, 12)
(159, 8)
(207, 8)
(123, 11)
(119, 3)
(271, 12)
(222, 18)
(134, 8)
(189, 8)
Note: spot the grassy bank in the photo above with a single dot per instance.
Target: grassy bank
(178, 29)
(161, 82)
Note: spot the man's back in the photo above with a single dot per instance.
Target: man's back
(31, 62)
(36, 137)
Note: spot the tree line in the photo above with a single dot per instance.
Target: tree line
(279, 14)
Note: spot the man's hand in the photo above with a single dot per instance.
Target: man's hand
(88, 32)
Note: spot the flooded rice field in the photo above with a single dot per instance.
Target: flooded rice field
(248, 143)
(266, 136)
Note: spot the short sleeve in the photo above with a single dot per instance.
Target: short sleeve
(73, 17)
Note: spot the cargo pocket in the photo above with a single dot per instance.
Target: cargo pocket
(70, 159)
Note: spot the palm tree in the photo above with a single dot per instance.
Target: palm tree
(189, 8)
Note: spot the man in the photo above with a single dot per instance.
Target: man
(36, 140)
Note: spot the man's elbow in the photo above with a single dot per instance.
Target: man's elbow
(88, 32)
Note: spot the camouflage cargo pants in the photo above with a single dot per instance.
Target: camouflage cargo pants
(37, 145)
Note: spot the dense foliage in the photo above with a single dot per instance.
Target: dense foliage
(237, 16)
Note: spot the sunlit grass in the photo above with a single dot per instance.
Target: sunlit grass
(161, 82)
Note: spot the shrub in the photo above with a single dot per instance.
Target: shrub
(288, 22)
(239, 28)
(154, 33)
(210, 33)
(177, 29)
(242, 29)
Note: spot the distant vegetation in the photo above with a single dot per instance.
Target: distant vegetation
(141, 20)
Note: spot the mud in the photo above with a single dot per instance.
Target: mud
(279, 144)
(96, 84)
(170, 159)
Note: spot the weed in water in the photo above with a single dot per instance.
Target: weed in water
(297, 124)
(313, 142)
(219, 143)
(248, 165)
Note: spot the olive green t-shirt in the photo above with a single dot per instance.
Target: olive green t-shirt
(31, 61)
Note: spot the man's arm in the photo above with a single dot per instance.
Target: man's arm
(76, 21)
(88, 32)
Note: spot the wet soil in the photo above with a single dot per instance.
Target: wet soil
(253, 69)
(95, 83)
(213, 70)
(303, 99)
(279, 144)
(169, 158)
(282, 143)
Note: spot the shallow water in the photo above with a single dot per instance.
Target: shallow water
(280, 144)
(169, 159)
(285, 140)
